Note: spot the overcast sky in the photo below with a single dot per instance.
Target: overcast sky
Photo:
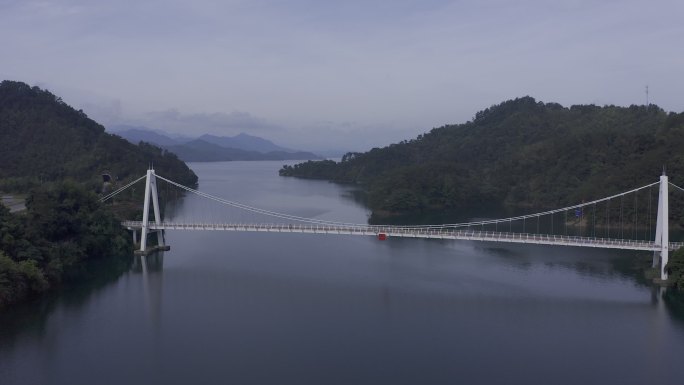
(350, 74)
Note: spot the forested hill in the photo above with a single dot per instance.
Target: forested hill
(43, 139)
(518, 153)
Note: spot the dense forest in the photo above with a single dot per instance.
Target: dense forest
(520, 153)
(675, 268)
(57, 157)
(43, 139)
(64, 225)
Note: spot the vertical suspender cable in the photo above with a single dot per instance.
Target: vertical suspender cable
(594, 227)
(608, 218)
(636, 215)
(622, 225)
(647, 235)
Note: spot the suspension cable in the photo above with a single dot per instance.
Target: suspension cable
(258, 210)
(112, 194)
(433, 226)
(674, 185)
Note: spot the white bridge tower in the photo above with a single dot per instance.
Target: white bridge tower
(662, 238)
(150, 191)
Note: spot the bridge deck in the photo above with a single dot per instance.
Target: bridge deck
(391, 231)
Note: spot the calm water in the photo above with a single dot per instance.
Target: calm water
(245, 308)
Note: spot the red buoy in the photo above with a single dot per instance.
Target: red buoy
(382, 236)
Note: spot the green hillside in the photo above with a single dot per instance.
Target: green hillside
(520, 153)
(63, 230)
(56, 156)
(43, 139)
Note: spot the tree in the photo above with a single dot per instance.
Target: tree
(521, 153)
(63, 228)
(675, 269)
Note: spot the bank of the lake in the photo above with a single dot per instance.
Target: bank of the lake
(256, 308)
(13, 202)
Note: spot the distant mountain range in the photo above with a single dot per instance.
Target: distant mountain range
(200, 150)
(135, 135)
(211, 148)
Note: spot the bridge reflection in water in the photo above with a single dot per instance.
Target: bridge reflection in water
(151, 266)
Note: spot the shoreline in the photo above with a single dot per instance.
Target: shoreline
(15, 203)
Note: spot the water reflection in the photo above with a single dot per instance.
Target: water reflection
(674, 300)
(295, 308)
(151, 267)
(30, 319)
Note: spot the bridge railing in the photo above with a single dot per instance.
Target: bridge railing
(408, 232)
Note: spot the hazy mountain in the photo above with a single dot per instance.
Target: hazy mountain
(244, 142)
(137, 134)
(212, 148)
(200, 150)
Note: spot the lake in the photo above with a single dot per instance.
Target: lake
(269, 308)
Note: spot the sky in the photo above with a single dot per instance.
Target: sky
(338, 75)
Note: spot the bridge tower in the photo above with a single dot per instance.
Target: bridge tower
(662, 238)
(150, 191)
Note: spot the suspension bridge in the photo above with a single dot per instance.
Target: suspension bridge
(595, 224)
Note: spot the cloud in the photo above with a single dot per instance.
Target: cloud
(104, 112)
(398, 67)
(101, 108)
